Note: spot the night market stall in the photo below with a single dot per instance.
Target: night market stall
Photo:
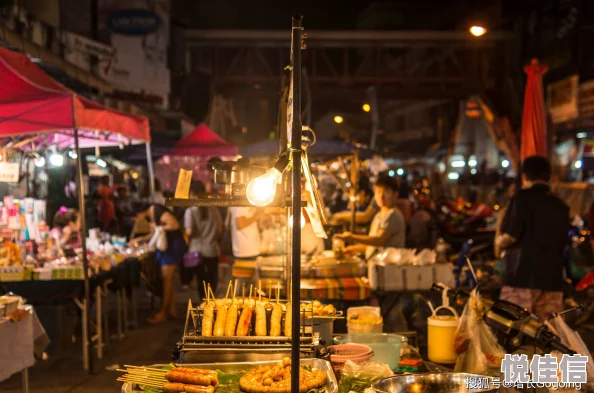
(41, 116)
(192, 152)
(260, 342)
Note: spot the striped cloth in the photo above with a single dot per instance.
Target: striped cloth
(345, 288)
(243, 268)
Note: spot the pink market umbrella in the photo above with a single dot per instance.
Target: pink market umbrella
(534, 120)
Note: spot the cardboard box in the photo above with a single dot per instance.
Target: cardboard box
(418, 277)
(444, 273)
(395, 278)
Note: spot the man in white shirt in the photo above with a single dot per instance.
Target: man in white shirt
(245, 234)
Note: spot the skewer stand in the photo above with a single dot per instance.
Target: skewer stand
(294, 133)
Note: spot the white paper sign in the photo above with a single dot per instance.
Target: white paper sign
(9, 172)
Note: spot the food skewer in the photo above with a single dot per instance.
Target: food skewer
(276, 316)
(260, 314)
(243, 326)
(231, 323)
(207, 314)
(289, 316)
(219, 327)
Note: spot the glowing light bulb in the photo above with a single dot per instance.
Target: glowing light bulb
(302, 221)
(56, 159)
(101, 163)
(400, 171)
(72, 154)
(338, 119)
(477, 31)
(262, 190)
(39, 162)
(578, 164)
(505, 163)
(366, 107)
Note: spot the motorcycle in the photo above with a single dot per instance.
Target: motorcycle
(579, 267)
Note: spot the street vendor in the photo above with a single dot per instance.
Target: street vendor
(66, 228)
(388, 228)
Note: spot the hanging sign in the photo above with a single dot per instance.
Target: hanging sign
(134, 22)
(9, 172)
(562, 99)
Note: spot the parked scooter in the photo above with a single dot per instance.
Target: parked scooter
(579, 267)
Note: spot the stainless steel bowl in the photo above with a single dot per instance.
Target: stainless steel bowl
(435, 383)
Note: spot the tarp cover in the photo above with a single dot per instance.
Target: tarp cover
(31, 103)
(203, 142)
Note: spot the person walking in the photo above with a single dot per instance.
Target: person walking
(204, 227)
(169, 259)
(532, 237)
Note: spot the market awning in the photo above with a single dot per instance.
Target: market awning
(203, 142)
(32, 104)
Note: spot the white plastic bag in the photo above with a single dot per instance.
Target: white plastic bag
(476, 344)
(358, 377)
(159, 240)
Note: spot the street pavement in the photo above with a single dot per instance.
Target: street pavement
(149, 344)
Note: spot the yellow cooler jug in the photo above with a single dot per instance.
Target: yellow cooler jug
(441, 330)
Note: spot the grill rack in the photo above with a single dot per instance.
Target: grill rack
(193, 330)
(195, 348)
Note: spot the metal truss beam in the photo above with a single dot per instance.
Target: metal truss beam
(342, 64)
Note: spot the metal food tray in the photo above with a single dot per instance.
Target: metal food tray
(332, 384)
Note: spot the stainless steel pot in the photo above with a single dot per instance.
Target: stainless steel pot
(435, 383)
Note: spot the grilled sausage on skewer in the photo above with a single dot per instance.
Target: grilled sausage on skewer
(260, 320)
(170, 387)
(243, 326)
(275, 320)
(197, 371)
(191, 378)
(207, 320)
(219, 327)
(288, 320)
(231, 322)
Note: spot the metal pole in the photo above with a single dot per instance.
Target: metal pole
(296, 203)
(151, 170)
(354, 188)
(83, 239)
(372, 94)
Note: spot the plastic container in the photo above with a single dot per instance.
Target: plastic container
(339, 354)
(441, 331)
(386, 347)
(364, 320)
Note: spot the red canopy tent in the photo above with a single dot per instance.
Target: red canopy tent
(203, 142)
(37, 112)
(534, 122)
